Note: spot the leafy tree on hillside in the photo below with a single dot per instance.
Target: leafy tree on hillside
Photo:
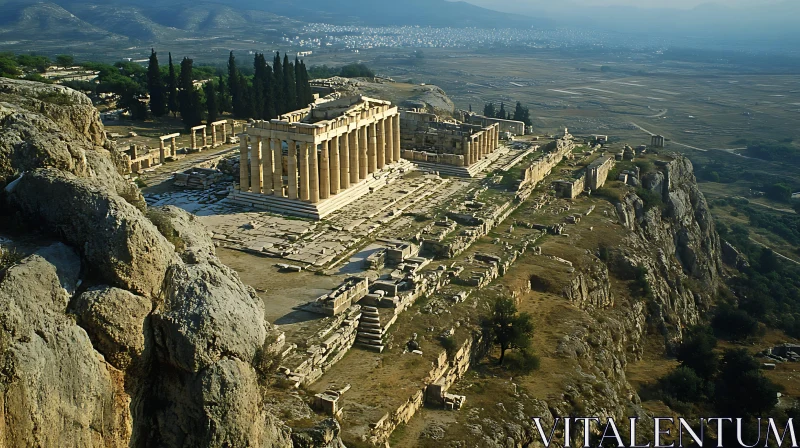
(522, 114)
(502, 114)
(155, 86)
(779, 192)
(65, 60)
(733, 324)
(222, 94)
(697, 352)
(508, 328)
(356, 71)
(9, 67)
(741, 389)
(172, 89)
(34, 62)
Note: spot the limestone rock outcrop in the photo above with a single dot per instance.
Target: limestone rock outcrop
(117, 336)
(114, 238)
(54, 388)
(116, 322)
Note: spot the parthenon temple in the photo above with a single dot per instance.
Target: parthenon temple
(315, 160)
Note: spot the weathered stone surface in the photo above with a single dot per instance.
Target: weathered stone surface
(115, 320)
(55, 390)
(195, 236)
(208, 314)
(217, 407)
(114, 238)
(732, 257)
(324, 435)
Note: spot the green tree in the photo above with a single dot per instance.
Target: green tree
(741, 389)
(697, 352)
(502, 113)
(188, 96)
(9, 67)
(289, 91)
(733, 324)
(522, 114)
(155, 86)
(223, 97)
(308, 95)
(172, 89)
(509, 329)
(779, 192)
(212, 105)
(34, 62)
(65, 60)
(488, 110)
(237, 88)
(683, 384)
(280, 97)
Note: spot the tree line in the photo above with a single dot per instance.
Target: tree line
(271, 91)
(520, 113)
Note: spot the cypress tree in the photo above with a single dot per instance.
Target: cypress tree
(488, 110)
(212, 105)
(269, 94)
(188, 96)
(259, 82)
(235, 87)
(155, 86)
(502, 114)
(308, 96)
(222, 95)
(172, 88)
(288, 84)
(299, 88)
(280, 97)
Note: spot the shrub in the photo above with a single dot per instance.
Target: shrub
(8, 258)
(449, 344)
(682, 384)
(523, 362)
(734, 324)
(650, 198)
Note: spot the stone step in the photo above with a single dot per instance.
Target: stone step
(360, 340)
(371, 309)
(370, 319)
(371, 314)
(369, 336)
(376, 331)
(372, 348)
(370, 325)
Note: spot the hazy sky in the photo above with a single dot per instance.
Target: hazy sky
(684, 4)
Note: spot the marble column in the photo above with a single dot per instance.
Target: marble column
(162, 153)
(277, 166)
(224, 133)
(213, 135)
(244, 171)
(313, 173)
(355, 156)
(256, 174)
(325, 172)
(302, 176)
(469, 157)
(362, 152)
(389, 127)
(266, 163)
(335, 171)
(194, 140)
(380, 154)
(372, 149)
(292, 167)
(205, 137)
(174, 147)
(344, 162)
(396, 120)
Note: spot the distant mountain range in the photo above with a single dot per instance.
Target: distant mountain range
(148, 20)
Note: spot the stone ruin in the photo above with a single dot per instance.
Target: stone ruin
(197, 178)
(313, 161)
(448, 146)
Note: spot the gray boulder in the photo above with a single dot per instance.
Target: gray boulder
(115, 320)
(208, 314)
(55, 390)
(114, 238)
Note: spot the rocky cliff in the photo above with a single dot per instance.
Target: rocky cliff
(113, 333)
(669, 253)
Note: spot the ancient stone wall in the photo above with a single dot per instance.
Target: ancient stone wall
(597, 172)
(570, 189)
